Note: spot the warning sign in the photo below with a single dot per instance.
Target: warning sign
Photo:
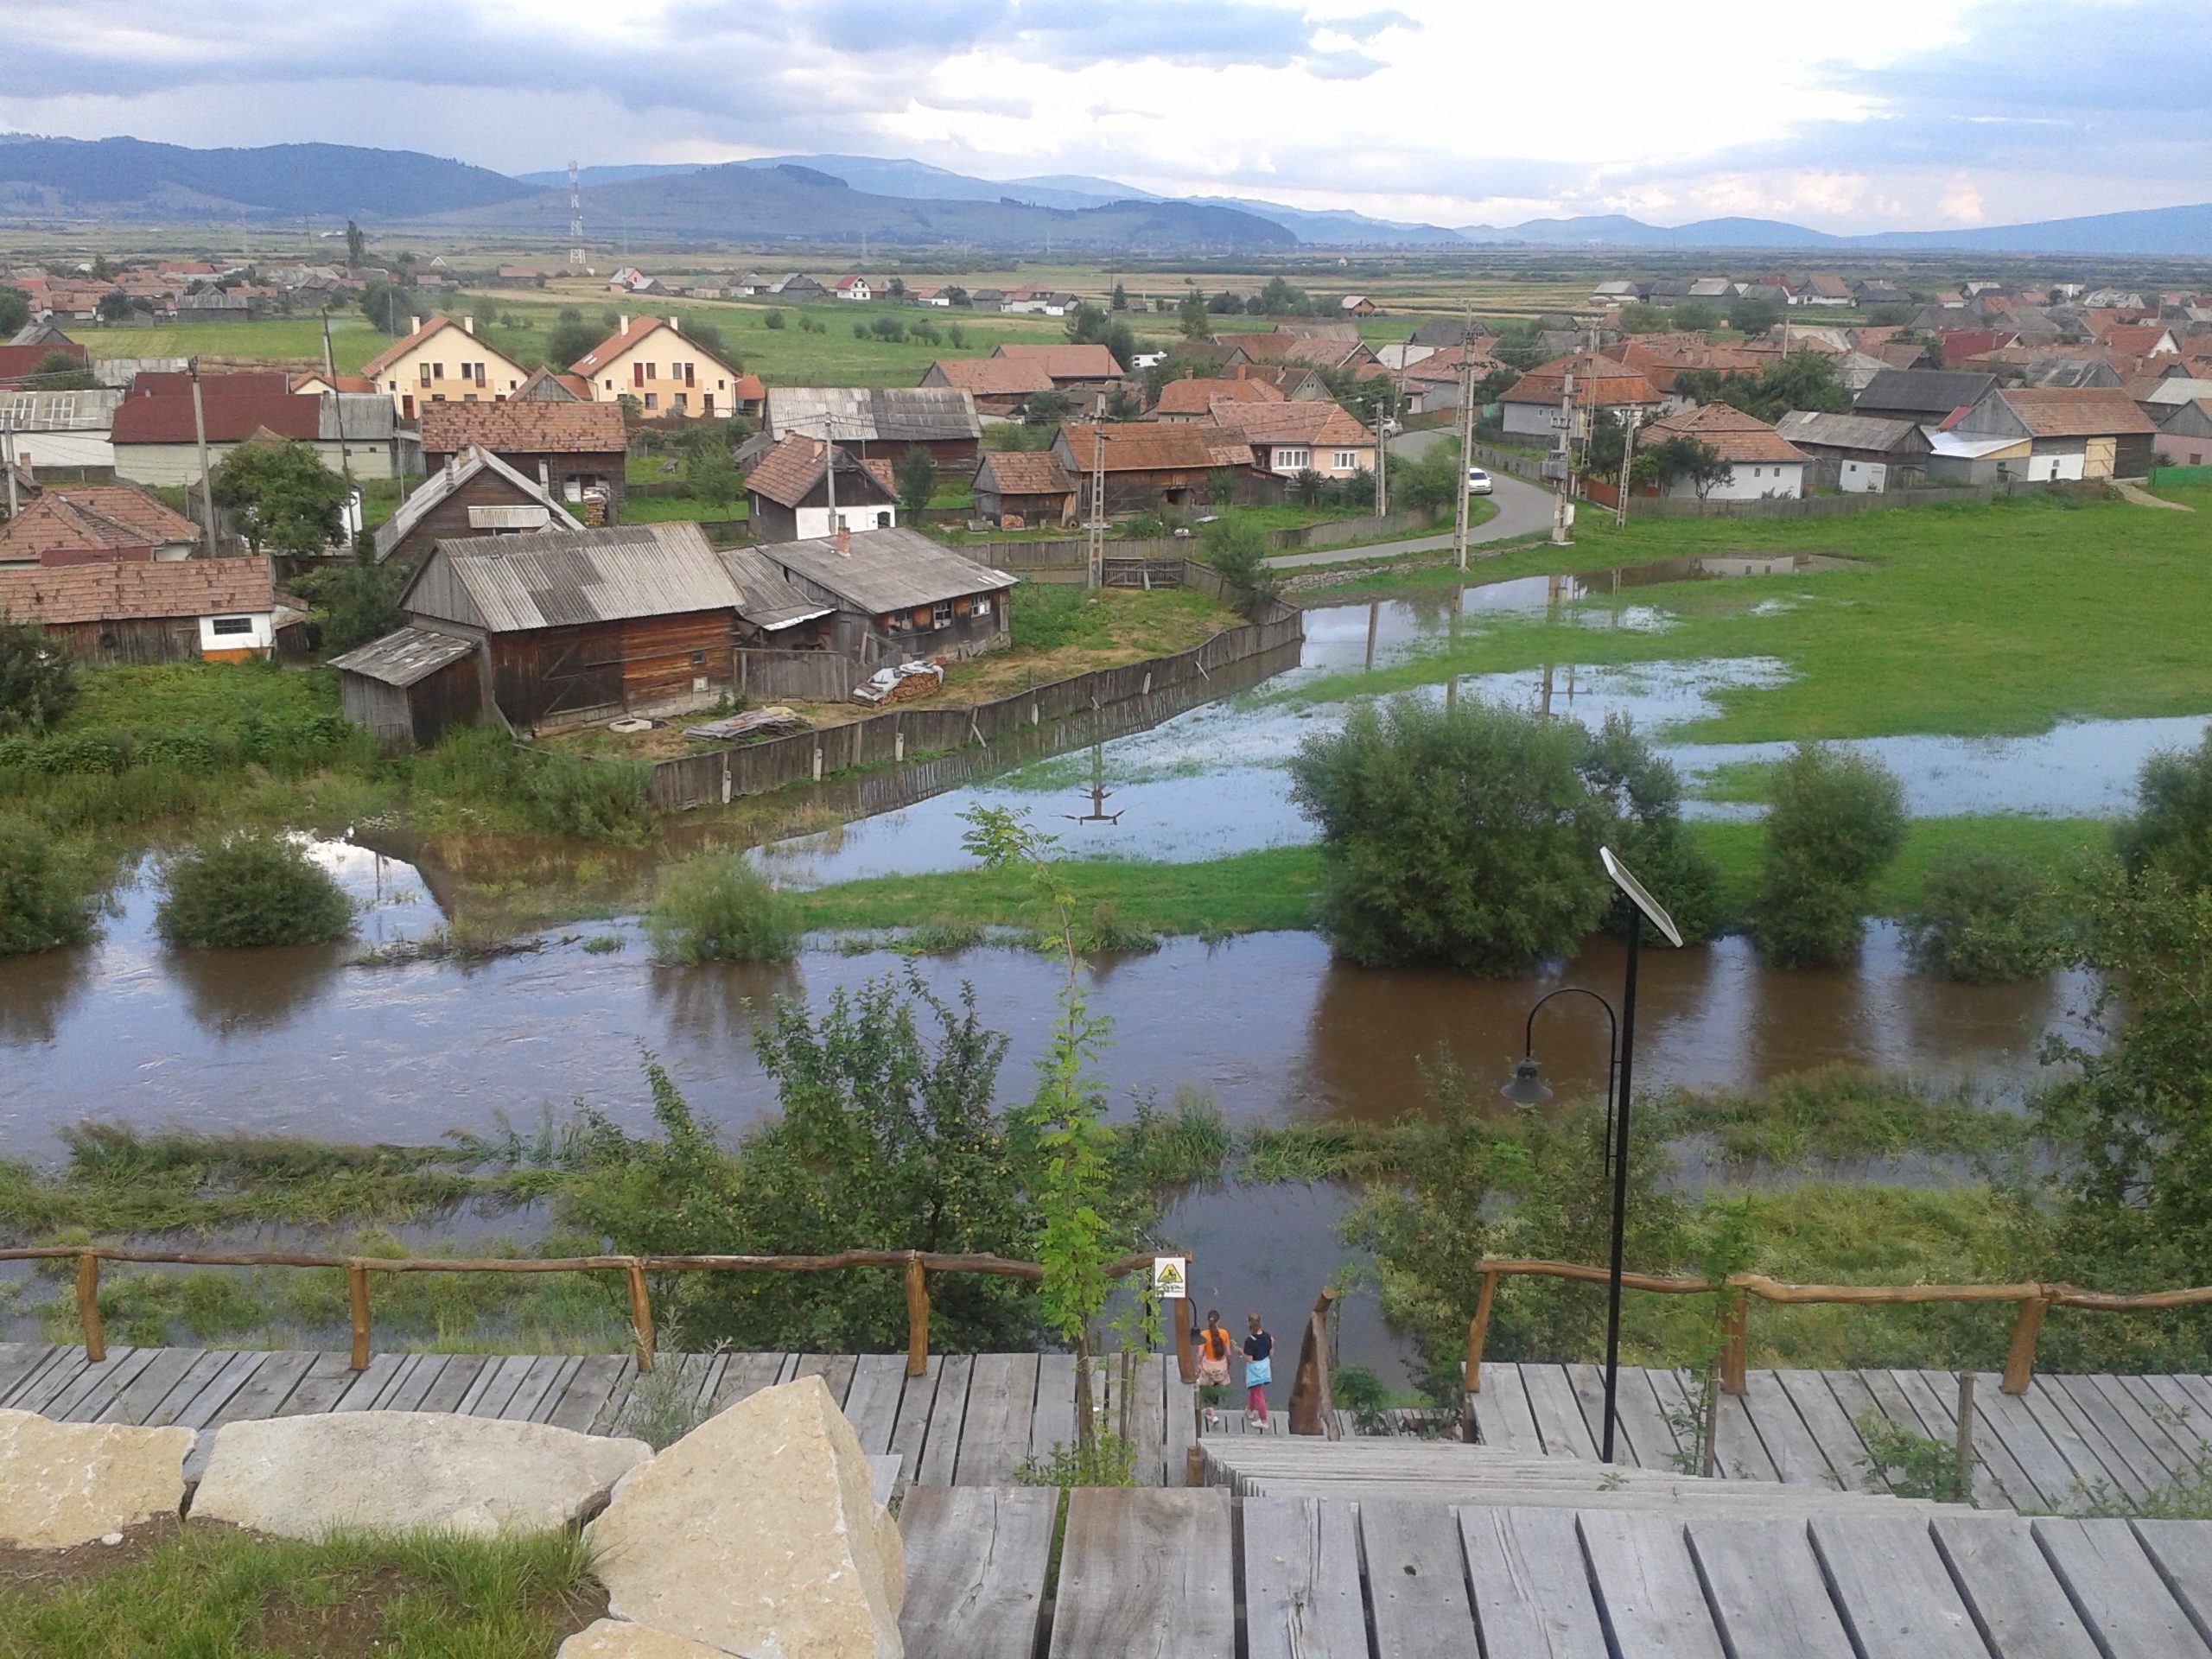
(1171, 1274)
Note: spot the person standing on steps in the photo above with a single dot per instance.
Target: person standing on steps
(1259, 1370)
(1213, 1344)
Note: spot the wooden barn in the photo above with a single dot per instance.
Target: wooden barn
(1023, 490)
(898, 595)
(1151, 466)
(116, 610)
(572, 449)
(473, 494)
(579, 625)
(883, 423)
(408, 688)
(788, 492)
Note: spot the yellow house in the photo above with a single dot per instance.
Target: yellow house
(443, 361)
(650, 359)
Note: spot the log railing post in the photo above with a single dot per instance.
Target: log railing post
(918, 1318)
(1311, 1397)
(1186, 1358)
(2020, 1355)
(641, 1313)
(1733, 1340)
(1479, 1334)
(88, 1307)
(357, 1310)
(1966, 1431)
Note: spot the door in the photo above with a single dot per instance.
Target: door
(407, 406)
(707, 403)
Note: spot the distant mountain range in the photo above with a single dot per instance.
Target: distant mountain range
(892, 201)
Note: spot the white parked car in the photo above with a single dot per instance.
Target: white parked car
(1477, 481)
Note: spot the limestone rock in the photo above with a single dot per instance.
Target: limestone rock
(757, 1534)
(66, 1483)
(613, 1638)
(394, 1470)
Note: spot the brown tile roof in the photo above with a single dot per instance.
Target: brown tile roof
(1154, 446)
(623, 339)
(1735, 434)
(1598, 380)
(119, 592)
(1313, 422)
(2135, 340)
(360, 383)
(1194, 396)
(99, 515)
(990, 376)
(792, 468)
(431, 325)
(1065, 362)
(1312, 350)
(230, 418)
(1023, 472)
(531, 426)
(2077, 412)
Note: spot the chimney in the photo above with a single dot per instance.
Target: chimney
(676, 323)
(468, 325)
(621, 324)
(844, 540)
(414, 325)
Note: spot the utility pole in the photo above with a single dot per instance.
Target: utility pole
(1095, 555)
(1381, 459)
(329, 368)
(206, 484)
(1466, 439)
(8, 462)
(1628, 451)
(1561, 508)
(576, 223)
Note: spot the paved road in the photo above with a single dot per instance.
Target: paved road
(1522, 509)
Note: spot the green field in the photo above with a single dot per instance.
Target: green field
(354, 340)
(1971, 620)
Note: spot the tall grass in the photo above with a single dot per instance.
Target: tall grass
(718, 907)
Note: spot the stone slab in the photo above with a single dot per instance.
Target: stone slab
(617, 1638)
(62, 1485)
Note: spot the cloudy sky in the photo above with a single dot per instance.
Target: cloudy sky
(1881, 114)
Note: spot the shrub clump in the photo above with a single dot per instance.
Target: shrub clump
(250, 889)
(2172, 826)
(41, 904)
(718, 907)
(1984, 917)
(590, 799)
(1836, 822)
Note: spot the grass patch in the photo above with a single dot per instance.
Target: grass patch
(353, 339)
(1984, 619)
(211, 1592)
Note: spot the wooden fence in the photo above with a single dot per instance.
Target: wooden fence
(2032, 1301)
(1049, 553)
(894, 737)
(809, 676)
(916, 1265)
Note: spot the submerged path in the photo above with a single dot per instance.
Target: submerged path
(973, 1418)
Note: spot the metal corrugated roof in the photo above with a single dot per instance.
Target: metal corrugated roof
(887, 569)
(566, 578)
(768, 598)
(875, 413)
(404, 656)
(1844, 431)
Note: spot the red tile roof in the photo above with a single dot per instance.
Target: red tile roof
(1735, 434)
(2078, 412)
(1154, 446)
(623, 339)
(1067, 362)
(230, 418)
(91, 518)
(1313, 422)
(1025, 472)
(120, 591)
(1599, 381)
(990, 376)
(1194, 396)
(524, 427)
(788, 472)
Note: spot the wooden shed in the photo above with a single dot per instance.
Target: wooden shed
(409, 687)
(1023, 490)
(116, 610)
(898, 595)
(584, 624)
(473, 493)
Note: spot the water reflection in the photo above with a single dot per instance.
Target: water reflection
(231, 993)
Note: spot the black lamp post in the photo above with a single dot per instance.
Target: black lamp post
(1527, 1088)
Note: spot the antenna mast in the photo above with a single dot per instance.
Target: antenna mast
(576, 223)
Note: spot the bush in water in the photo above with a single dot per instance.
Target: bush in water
(2172, 825)
(1837, 820)
(250, 889)
(41, 904)
(1984, 917)
(591, 799)
(717, 908)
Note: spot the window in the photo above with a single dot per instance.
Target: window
(940, 613)
(983, 605)
(679, 405)
(426, 374)
(610, 385)
(1347, 460)
(231, 625)
(652, 370)
(652, 400)
(1296, 460)
(698, 658)
(437, 371)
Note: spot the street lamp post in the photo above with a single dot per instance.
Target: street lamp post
(1527, 1088)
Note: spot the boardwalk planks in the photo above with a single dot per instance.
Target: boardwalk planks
(1002, 1399)
(1532, 1598)
(1146, 1575)
(975, 1564)
(2118, 1590)
(1765, 1589)
(1894, 1590)
(1417, 1576)
(1647, 1584)
(2008, 1586)
(1301, 1580)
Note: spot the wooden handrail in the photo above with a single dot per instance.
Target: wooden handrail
(1311, 1399)
(2033, 1298)
(918, 1266)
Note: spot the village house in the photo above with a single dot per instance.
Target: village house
(1152, 465)
(1823, 287)
(1531, 407)
(1858, 454)
(156, 437)
(113, 610)
(73, 523)
(1298, 382)
(999, 385)
(2185, 434)
(1035, 302)
(1192, 399)
(1762, 463)
(1314, 350)
(544, 386)
(898, 595)
(792, 494)
(854, 288)
(883, 423)
(1288, 438)
(1082, 371)
(1926, 397)
(650, 358)
(27, 349)
(1866, 295)
(1434, 383)
(2095, 432)
(472, 493)
(439, 361)
(61, 429)
(576, 451)
(1024, 490)
(1357, 305)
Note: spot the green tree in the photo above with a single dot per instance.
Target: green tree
(1237, 549)
(1089, 326)
(1888, 316)
(15, 309)
(1191, 316)
(249, 889)
(569, 337)
(356, 246)
(1119, 300)
(353, 601)
(1696, 317)
(1640, 318)
(719, 907)
(917, 478)
(2172, 829)
(1047, 408)
(1456, 835)
(774, 320)
(711, 471)
(38, 679)
(42, 903)
(955, 294)
(1836, 822)
(1685, 459)
(60, 371)
(114, 306)
(1639, 794)
(1985, 917)
(1749, 316)
(386, 306)
(282, 496)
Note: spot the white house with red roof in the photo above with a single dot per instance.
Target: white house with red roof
(653, 360)
(443, 361)
(854, 288)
